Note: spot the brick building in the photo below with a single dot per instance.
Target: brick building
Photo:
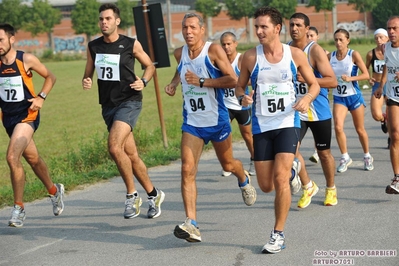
(65, 39)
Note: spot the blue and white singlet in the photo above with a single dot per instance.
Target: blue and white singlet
(274, 92)
(230, 98)
(344, 67)
(202, 107)
(319, 109)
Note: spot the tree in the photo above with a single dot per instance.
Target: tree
(326, 5)
(240, 9)
(208, 9)
(286, 8)
(85, 18)
(383, 11)
(13, 12)
(126, 8)
(41, 19)
(364, 6)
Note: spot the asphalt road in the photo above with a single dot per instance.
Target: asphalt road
(92, 230)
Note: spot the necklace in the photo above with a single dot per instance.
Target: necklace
(341, 55)
(196, 49)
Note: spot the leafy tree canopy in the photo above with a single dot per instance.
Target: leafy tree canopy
(208, 8)
(364, 5)
(286, 7)
(383, 11)
(322, 4)
(238, 9)
(126, 8)
(42, 18)
(85, 17)
(13, 12)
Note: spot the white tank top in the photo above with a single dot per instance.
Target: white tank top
(391, 57)
(202, 107)
(230, 99)
(274, 92)
(344, 67)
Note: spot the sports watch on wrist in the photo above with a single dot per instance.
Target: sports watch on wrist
(42, 95)
(239, 98)
(144, 81)
(201, 81)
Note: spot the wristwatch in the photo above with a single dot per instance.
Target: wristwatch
(201, 81)
(144, 81)
(42, 95)
(239, 98)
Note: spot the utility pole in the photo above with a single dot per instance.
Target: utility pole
(155, 76)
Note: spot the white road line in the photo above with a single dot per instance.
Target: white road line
(42, 246)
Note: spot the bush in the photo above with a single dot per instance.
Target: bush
(50, 56)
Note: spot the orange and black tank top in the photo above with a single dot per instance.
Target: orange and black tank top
(16, 87)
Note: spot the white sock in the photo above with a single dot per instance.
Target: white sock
(345, 156)
(367, 155)
(309, 185)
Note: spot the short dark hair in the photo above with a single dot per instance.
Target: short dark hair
(228, 33)
(345, 32)
(303, 17)
(113, 7)
(275, 15)
(313, 28)
(8, 29)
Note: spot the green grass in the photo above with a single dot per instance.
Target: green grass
(72, 136)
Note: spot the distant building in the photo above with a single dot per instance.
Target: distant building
(65, 39)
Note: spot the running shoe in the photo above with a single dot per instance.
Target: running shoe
(57, 200)
(343, 165)
(331, 197)
(132, 207)
(307, 194)
(188, 232)
(314, 158)
(17, 217)
(368, 163)
(154, 203)
(248, 192)
(225, 173)
(393, 188)
(295, 181)
(275, 244)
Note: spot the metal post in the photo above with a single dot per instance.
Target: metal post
(155, 77)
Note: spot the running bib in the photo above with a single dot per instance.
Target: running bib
(196, 99)
(301, 89)
(378, 66)
(12, 89)
(273, 98)
(393, 88)
(107, 67)
(344, 89)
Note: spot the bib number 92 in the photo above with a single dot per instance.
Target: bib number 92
(341, 89)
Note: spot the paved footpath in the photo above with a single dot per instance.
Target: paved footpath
(92, 230)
